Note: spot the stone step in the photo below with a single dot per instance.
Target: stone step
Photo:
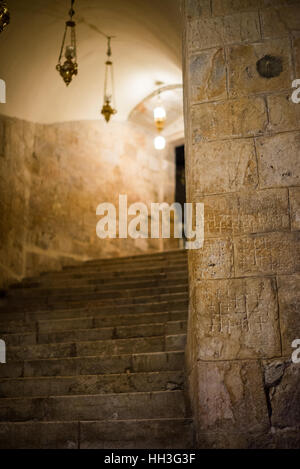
(92, 384)
(130, 261)
(85, 330)
(137, 434)
(82, 330)
(118, 434)
(31, 324)
(98, 281)
(127, 264)
(138, 405)
(53, 296)
(47, 304)
(112, 273)
(165, 255)
(104, 313)
(99, 290)
(109, 333)
(92, 365)
(95, 356)
(100, 347)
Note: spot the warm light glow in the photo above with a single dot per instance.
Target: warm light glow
(159, 113)
(159, 142)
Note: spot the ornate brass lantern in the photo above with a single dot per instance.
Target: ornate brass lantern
(108, 108)
(69, 68)
(4, 16)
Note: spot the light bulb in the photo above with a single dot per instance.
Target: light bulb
(159, 113)
(159, 142)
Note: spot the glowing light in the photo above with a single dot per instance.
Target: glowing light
(159, 113)
(159, 142)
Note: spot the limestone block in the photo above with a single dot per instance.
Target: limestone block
(296, 48)
(245, 212)
(280, 21)
(191, 350)
(2, 136)
(284, 114)
(231, 399)
(244, 78)
(278, 160)
(192, 384)
(17, 144)
(227, 7)
(224, 166)
(285, 398)
(208, 76)
(245, 117)
(295, 207)
(206, 33)
(289, 308)
(236, 318)
(214, 260)
(269, 253)
(278, 3)
(197, 8)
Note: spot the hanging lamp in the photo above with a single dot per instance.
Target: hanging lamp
(69, 68)
(4, 16)
(160, 116)
(108, 108)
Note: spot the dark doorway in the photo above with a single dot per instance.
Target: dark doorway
(180, 195)
(180, 175)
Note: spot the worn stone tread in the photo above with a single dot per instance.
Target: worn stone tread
(134, 405)
(91, 365)
(91, 384)
(118, 434)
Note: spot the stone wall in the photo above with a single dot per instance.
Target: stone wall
(52, 178)
(243, 145)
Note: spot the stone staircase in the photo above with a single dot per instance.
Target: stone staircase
(95, 356)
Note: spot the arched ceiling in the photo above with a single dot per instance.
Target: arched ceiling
(147, 49)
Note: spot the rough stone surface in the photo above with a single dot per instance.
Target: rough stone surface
(295, 207)
(289, 309)
(195, 8)
(215, 260)
(296, 49)
(236, 318)
(208, 76)
(284, 398)
(244, 78)
(224, 166)
(267, 254)
(248, 211)
(280, 21)
(245, 117)
(234, 398)
(227, 7)
(242, 153)
(284, 114)
(278, 160)
(206, 33)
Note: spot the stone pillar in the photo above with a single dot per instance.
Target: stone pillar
(243, 163)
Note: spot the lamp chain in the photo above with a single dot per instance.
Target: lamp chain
(62, 45)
